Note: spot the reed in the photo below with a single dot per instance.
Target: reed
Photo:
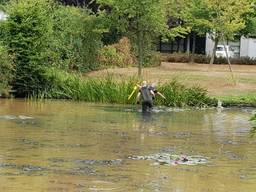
(109, 89)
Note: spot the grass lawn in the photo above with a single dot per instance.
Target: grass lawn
(216, 79)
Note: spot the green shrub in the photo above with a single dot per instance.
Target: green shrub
(40, 34)
(153, 59)
(118, 54)
(7, 70)
(77, 34)
(26, 35)
(201, 58)
(175, 58)
(110, 57)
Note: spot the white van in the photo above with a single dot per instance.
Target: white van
(220, 51)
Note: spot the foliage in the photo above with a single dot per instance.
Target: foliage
(40, 34)
(6, 70)
(26, 35)
(4, 1)
(217, 17)
(179, 96)
(250, 22)
(153, 59)
(110, 90)
(77, 38)
(142, 21)
(221, 19)
(118, 54)
(71, 86)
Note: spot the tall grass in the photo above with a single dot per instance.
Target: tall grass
(109, 89)
(179, 95)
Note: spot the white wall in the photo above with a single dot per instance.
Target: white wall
(209, 44)
(248, 47)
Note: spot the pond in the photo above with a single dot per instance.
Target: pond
(58, 146)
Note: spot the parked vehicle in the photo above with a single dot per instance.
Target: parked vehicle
(220, 51)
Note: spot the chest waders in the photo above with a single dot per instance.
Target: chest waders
(146, 97)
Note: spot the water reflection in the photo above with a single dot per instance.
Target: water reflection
(73, 146)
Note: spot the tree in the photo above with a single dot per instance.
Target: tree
(90, 4)
(175, 11)
(77, 34)
(250, 22)
(221, 19)
(142, 21)
(26, 36)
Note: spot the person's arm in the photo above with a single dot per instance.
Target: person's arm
(160, 94)
(139, 86)
(138, 98)
(152, 93)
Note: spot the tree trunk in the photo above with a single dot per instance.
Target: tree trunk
(193, 47)
(216, 41)
(227, 56)
(188, 45)
(160, 44)
(140, 52)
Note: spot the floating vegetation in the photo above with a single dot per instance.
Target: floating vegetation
(172, 159)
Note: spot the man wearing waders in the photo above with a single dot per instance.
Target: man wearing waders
(145, 95)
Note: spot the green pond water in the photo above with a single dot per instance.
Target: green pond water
(59, 146)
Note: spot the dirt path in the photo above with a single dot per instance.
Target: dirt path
(216, 79)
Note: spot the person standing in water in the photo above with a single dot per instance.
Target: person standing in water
(146, 96)
(156, 92)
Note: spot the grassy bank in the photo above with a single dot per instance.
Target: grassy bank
(215, 79)
(246, 100)
(109, 89)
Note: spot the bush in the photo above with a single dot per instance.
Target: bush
(153, 59)
(244, 60)
(175, 58)
(7, 70)
(184, 58)
(201, 58)
(77, 34)
(40, 34)
(26, 35)
(118, 54)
